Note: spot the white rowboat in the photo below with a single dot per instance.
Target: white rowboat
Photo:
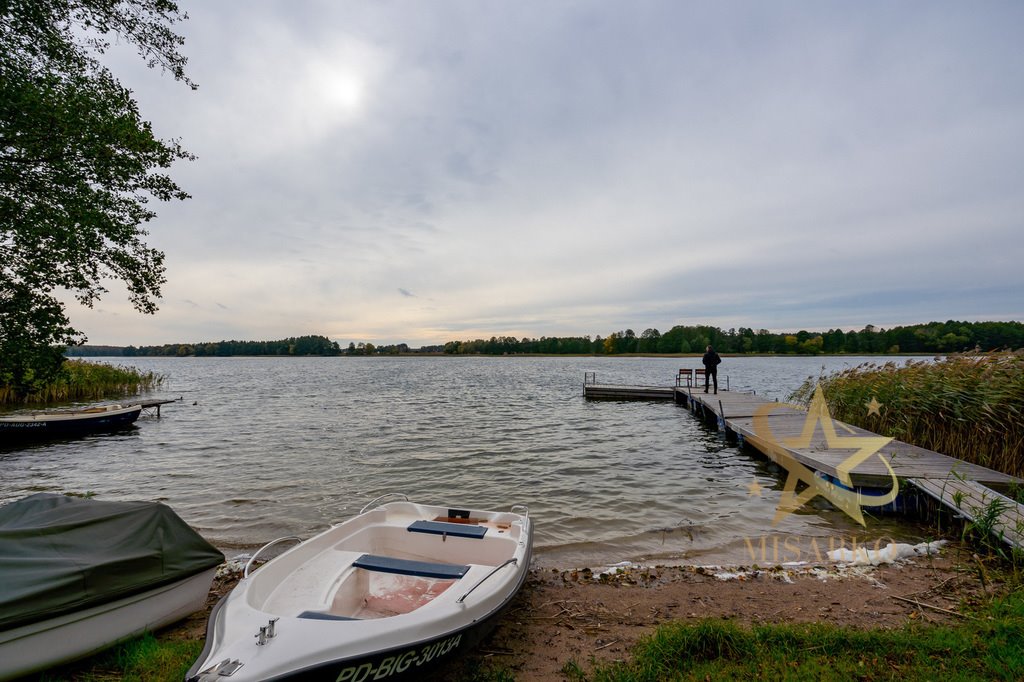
(383, 595)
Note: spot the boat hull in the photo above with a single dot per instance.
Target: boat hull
(44, 644)
(402, 663)
(54, 425)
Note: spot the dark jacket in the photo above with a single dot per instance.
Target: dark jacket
(711, 360)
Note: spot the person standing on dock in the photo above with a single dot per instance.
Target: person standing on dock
(711, 362)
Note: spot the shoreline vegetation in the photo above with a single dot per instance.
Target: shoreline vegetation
(79, 381)
(684, 623)
(985, 645)
(930, 338)
(968, 406)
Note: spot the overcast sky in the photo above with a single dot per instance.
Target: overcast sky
(421, 172)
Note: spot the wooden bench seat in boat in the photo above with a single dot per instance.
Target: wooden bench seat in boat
(421, 569)
(456, 530)
(322, 592)
(397, 541)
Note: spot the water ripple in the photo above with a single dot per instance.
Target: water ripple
(275, 447)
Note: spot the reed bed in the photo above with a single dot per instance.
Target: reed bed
(79, 380)
(968, 406)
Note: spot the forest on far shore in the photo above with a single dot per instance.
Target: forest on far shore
(933, 337)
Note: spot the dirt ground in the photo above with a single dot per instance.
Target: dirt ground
(576, 615)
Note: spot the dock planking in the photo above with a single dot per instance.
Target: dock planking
(954, 483)
(787, 422)
(596, 391)
(734, 405)
(616, 392)
(975, 502)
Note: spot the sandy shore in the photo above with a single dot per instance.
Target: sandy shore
(577, 615)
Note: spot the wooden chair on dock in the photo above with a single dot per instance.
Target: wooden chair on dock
(685, 377)
(699, 376)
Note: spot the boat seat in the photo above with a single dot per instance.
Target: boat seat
(422, 569)
(323, 615)
(455, 530)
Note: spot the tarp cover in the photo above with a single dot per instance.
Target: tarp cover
(60, 554)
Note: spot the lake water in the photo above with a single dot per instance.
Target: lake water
(260, 448)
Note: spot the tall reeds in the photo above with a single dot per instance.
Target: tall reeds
(967, 406)
(79, 380)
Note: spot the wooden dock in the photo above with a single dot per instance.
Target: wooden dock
(596, 391)
(787, 422)
(982, 506)
(783, 432)
(617, 392)
(150, 403)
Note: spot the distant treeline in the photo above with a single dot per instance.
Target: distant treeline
(300, 345)
(933, 337)
(392, 349)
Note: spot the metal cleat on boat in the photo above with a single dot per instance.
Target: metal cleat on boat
(225, 668)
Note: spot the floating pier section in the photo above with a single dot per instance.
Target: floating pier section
(596, 391)
(958, 485)
(151, 403)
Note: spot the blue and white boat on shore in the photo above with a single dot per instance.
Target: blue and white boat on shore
(396, 589)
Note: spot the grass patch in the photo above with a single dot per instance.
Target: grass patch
(145, 659)
(988, 647)
(79, 380)
(967, 406)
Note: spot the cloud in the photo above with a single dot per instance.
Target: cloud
(580, 169)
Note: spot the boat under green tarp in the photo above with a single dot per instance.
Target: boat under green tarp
(61, 554)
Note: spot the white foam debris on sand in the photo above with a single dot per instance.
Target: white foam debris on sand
(620, 567)
(783, 572)
(622, 564)
(232, 566)
(844, 571)
(891, 553)
(786, 575)
(850, 564)
(742, 573)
